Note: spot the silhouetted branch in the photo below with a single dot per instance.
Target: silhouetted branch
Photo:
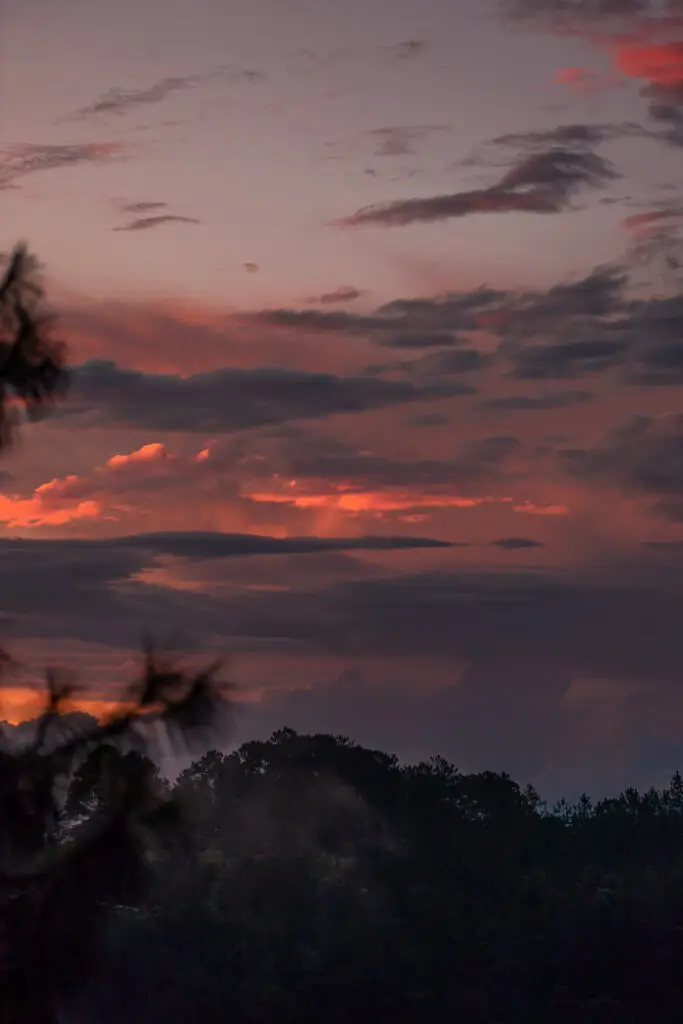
(32, 366)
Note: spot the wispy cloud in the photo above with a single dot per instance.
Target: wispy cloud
(143, 207)
(540, 183)
(398, 140)
(233, 399)
(28, 158)
(345, 293)
(119, 101)
(145, 223)
(408, 49)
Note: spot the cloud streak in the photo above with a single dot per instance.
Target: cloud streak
(146, 223)
(19, 161)
(232, 399)
(119, 101)
(541, 183)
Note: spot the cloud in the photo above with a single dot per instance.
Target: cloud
(638, 222)
(574, 135)
(568, 359)
(637, 339)
(526, 403)
(402, 323)
(398, 140)
(451, 363)
(643, 456)
(29, 158)
(143, 207)
(282, 485)
(540, 183)
(119, 101)
(516, 543)
(345, 293)
(101, 590)
(620, 628)
(145, 223)
(408, 49)
(580, 17)
(642, 38)
(476, 460)
(666, 108)
(333, 477)
(231, 399)
(251, 268)
(200, 546)
(428, 419)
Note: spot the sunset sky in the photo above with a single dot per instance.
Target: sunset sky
(375, 317)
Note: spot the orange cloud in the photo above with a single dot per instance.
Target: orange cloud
(35, 511)
(22, 703)
(58, 502)
(541, 510)
(359, 500)
(148, 453)
(215, 488)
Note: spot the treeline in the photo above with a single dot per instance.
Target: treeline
(321, 881)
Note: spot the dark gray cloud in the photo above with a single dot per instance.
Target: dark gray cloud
(526, 403)
(573, 16)
(597, 295)
(89, 588)
(665, 106)
(345, 293)
(427, 419)
(642, 456)
(568, 359)
(569, 135)
(29, 158)
(197, 545)
(325, 321)
(145, 223)
(118, 101)
(540, 183)
(516, 543)
(401, 323)
(451, 363)
(588, 327)
(232, 399)
(475, 462)
(624, 626)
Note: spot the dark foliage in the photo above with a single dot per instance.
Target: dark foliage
(329, 881)
(32, 365)
(69, 858)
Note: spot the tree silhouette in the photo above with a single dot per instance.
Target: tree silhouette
(60, 879)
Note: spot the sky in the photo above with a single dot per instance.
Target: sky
(374, 318)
